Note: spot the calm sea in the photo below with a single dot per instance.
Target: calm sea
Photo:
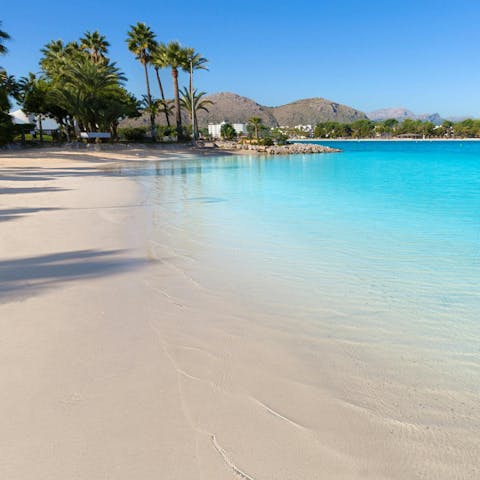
(378, 244)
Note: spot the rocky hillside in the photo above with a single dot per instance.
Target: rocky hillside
(234, 108)
(311, 111)
(402, 114)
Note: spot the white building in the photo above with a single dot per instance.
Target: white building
(214, 129)
(19, 117)
(305, 128)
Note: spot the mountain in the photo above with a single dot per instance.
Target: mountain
(311, 111)
(400, 114)
(431, 117)
(234, 108)
(460, 118)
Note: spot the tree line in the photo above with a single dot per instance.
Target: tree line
(84, 90)
(469, 128)
(362, 128)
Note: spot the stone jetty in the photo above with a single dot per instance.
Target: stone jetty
(289, 149)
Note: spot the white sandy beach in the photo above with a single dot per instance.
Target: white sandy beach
(114, 364)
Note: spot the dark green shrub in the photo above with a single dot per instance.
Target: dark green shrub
(165, 131)
(228, 132)
(133, 134)
(266, 142)
(7, 128)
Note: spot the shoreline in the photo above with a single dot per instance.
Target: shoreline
(303, 140)
(118, 361)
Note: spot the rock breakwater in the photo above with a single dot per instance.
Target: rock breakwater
(289, 149)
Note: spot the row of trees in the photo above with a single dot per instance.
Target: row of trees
(361, 129)
(6, 125)
(257, 131)
(142, 43)
(391, 128)
(81, 88)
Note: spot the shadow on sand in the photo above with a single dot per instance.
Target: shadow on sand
(25, 277)
(16, 213)
(14, 190)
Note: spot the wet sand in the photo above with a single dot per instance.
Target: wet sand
(116, 364)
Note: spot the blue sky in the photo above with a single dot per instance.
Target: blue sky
(423, 55)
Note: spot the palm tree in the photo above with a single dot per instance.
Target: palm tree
(53, 53)
(194, 103)
(141, 41)
(95, 44)
(194, 61)
(7, 128)
(158, 105)
(174, 56)
(3, 36)
(31, 94)
(255, 122)
(158, 61)
(11, 85)
(57, 56)
(86, 90)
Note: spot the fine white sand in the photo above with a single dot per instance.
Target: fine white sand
(114, 364)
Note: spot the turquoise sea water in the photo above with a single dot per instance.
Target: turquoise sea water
(380, 242)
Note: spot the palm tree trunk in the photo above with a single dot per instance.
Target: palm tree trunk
(194, 112)
(162, 94)
(178, 117)
(40, 128)
(114, 130)
(191, 82)
(64, 124)
(149, 97)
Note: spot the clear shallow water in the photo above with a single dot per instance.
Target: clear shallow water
(379, 244)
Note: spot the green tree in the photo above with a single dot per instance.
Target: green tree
(156, 106)
(159, 60)
(427, 129)
(3, 36)
(35, 92)
(332, 129)
(174, 56)
(193, 104)
(446, 129)
(117, 104)
(410, 127)
(95, 45)
(7, 127)
(391, 124)
(81, 87)
(467, 128)
(193, 61)
(141, 42)
(85, 90)
(279, 137)
(387, 127)
(227, 131)
(362, 128)
(256, 123)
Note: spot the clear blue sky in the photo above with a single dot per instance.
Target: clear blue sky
(419, 54)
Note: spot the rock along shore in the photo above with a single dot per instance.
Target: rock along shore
(290, 149)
